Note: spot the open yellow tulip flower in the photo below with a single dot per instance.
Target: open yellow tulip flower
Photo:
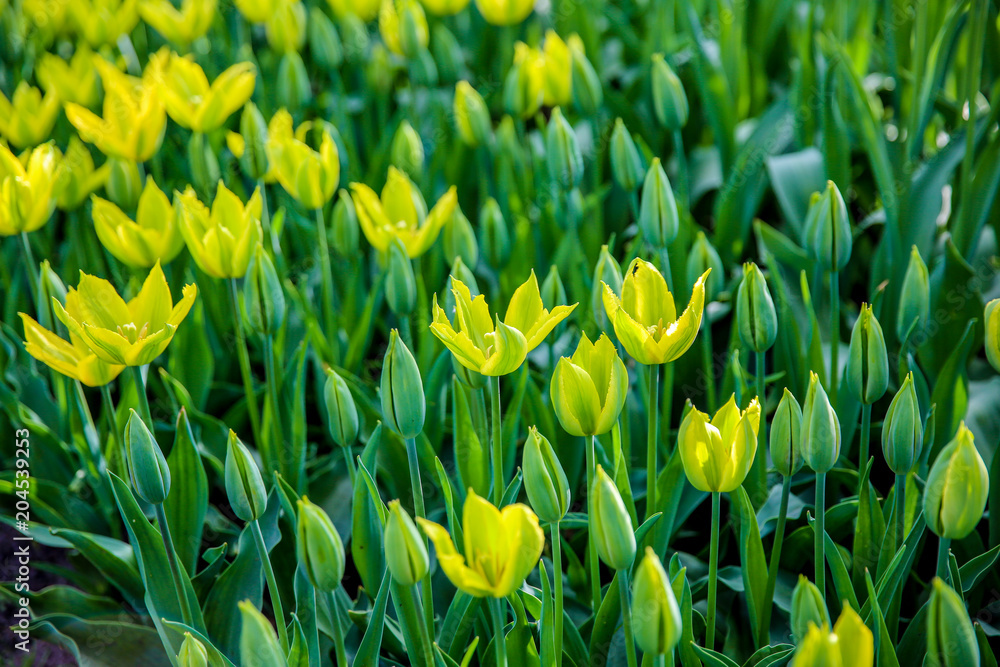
(221, 241)
(501, 547)
(71, 81)
(310, 176)
(120, 333)
(500, 348)
(72, 358)
(645, 318)
(27, 118)
(589, 389)
(134, 118)
(445, 7)
(102, 22)
(401, 213)
(505, 12)
(366, 10)
(180, 26)
(153, 237)
(851, 644)
(191, 101)
(717, 454)
(28, 189)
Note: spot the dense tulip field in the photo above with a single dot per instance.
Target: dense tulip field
(557, 333)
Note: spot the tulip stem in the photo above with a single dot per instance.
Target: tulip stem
(682, 170)
(418, 509)
(595, 566)
(713, 571)
(654, 376)
(820, 529)
(900, 509)
(498, 627)
(626, 618)
(349, 462)
(338, 630)
(944, 545)
(32, 269)
(866, 427)
(140, 390)
(272, 584)
(244, 357)
(708, 361)
(175, 568)
(772, 571)
(834, 336)
(758, 469)
(498, 485)
(109, 416)
(266, 219)
(557, 575)
(278, 432)
(327, 275)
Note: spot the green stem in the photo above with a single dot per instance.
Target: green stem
(278, 444)
(557, 576)
(758, 469)
(772, 571)
(834, 336)
(140, 390)
(338, 630)
(32, 269)
(713, 571)
(244, 357)
(682, 170)
(626, 618)
(349, 462)
(944, 544)
(595, 566)
(820, 530)
(418, 508)
(272, 584)
(327, 275)
(653, 415)
(109, 415)
(708, 362)
(498, 481)
(900, 513)
(866, 426)
(175, 568)
(265, 219)
(499, 640)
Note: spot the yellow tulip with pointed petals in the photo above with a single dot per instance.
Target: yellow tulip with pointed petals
(401, 213)
(645, 318)
(72, 358)
(310, 176)
(79, 176)
(221, 240)
(27, 118)
(850, 644)
(102, 22)
(120, 333)
(153, 237)
(501, 547)
(717, 454)
(28, 189)
(505, 12)
(72, 81)
(487, 345)
(180, 26)
(195, 104)
(589, 389)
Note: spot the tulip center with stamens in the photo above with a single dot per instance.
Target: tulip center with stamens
(131, 333)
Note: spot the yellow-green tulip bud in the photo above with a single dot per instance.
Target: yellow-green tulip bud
(562, 151)
(588, 95)
(401, 285)
(610, 523)
(294, 89)
(319, 548)
(658, 217)
(341, 410)
(717, 454)
(192, 653)
(345, 233)
(704, 257)
(656, 617)
(460, 239)
(405, 553)
(286, 29)
(902, 431)
(868, 361)
(361, 11)
(808, 608)
(447, 53)
(758, 322)
(124, 183)
(524, 87)
(626, 163)
(253, 130)
(669, 100)
(403, 26)
(850, 644)
(553, 290)
(407, 151)
(505, 12)
(146, 466)
(991, 317)
(915, 296)
(402, 390)
(380, 70)
(324, 42)
(588, 390)
(827, 232)
(472, 117)
(608, 272)
(544, 478)
(786, 426)
(951, 639)
(494, 237)
(820, 432)
(958, 486)
(244, 484)
(258, 644)
(263, 297)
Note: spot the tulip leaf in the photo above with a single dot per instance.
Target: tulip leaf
(383, 512)
(187, 503)
(514, 488)
(976, 568)
(713, 658)
(986, 656)
(648, 524)
(794, 178)
(951, 389)
(113, 559)
(869, 531)
(457, 623)
(884, 650)
(670, 488)
(888, 581)
(769, 655)
(367, 547)
(298, 652)
(682, 592)
(605, 624)
(838, 569)
(752, 559)
(954, 579)
(371, 642)
(454, 520)
(470, 454)
(102, 643)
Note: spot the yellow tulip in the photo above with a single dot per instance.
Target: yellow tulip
(505, 12)
(180, 26)
(558, 71)
(153, 237)
(501, 547)
(717, 454)
(645, 318)
(28, 189)
(286, 29)
(46, 19)
(72, 358)
(403, 26)
(102, 22)
(129, 334)
(991, 317)
(27, 118)
(401, 213)
(257, 11)
(445, 7)
(79, 177)
(221, 241)
(500, 348)
(191, 101)
(134, 118)
(524, 87)
(74, 81)
(851, 644)
(366, 10)
(589, 389)
(308, 175)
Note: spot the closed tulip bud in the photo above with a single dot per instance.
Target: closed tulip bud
(902, 431)
(319, 548)
(362, 11)
(849, 644)
(915, 296)
(253, 133)
(588, 95)
(656, 616)
(610, 523)
(345, 233)
(669, 100)
(460, 239)
(305, 160)
(524, 87)
(951, 639)
(324, 42)
(588, 390)
(124, 183)
(626, 163)
(786, 426)
(717, 454)
(820, 432)
(403, 26)
(402, 390)
(758, 322)
(286, 29)
(472, 117)
(244, 484)
(608, 272)
(562, 151)
(544, 478)
(658, 218)
(991, 317)
(401, 285)
(294, 88)
(447, 53)
(192, 653)
(808, 608)
(340, 409)
(828, 229)
(380, 70)
(868, 361)
(263, 297)
(405, 553)
(407, 151)
(505, 12)
(957, 488)
(146, 466)
(704, 257)
(494, 238)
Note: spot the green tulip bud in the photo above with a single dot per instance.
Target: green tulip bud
(319, 549)
(588, 95)
(294, 90)
(808, 607)
(124, 183)
(324, 42)
(146, 466)
(902, 431)
(610, 523)
(828, 229)
(380, 71)
(407, 150)
(258, 643)
(544, 478)
(958, 486)
(758, 322)
(523, 89)
(669, 100)
(951, 639)
(915, 297)
(192, 653)
(606, 270)
(991, 317)
(494, 237)
(626, 163)
(553, 291)
(820, 430)
(786, 426)
(340, 409)
(354, 37)
(460, 239)
(286, 29)
(263, 297)
(244, 485)
(868, 361)
(204, 165)
(344, 226)
(472, 117)
(402, 390)
(400, 284)
(704, 256)
(562, 151)
(447, 52)
(658, 217)
(656, 617)
(405, 552)
(253, 129)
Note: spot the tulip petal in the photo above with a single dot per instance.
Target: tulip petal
(371, 216)
(508, 351)
(453, 563)
(152, 305)
(99, 303)
(575, 398)
(855, 640)
(681, 334)
(108, 345)
(525, 540)
(525, 306)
